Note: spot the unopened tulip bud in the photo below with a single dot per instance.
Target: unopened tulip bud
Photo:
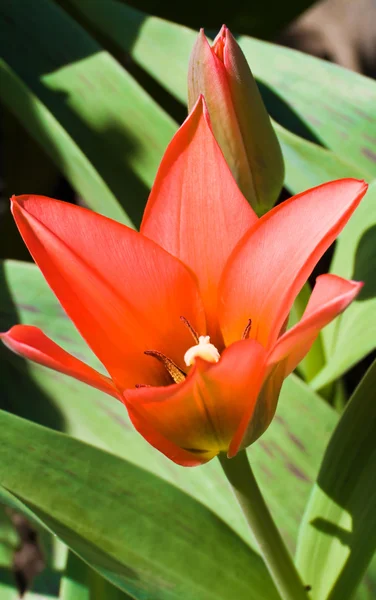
(239, 119)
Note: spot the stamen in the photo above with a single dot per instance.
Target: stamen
(177, 374)
(141, 385)
(247, 330)
(204, 349)
(193, 332)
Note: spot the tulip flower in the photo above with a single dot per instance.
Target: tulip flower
(239, 119)
(188, 316)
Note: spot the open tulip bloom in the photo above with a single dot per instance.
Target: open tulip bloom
(188, 316)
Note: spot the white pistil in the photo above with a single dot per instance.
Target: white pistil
(204, 349)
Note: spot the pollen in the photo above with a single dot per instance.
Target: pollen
(204, 349)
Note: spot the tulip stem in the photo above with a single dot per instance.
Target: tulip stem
(277, 558)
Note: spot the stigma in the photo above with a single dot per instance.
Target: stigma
(204, 349)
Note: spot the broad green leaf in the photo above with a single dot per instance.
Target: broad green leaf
(43, 126)
(287, 457)
(314, 361)
(163, 49)
(117, 126)
(41, 588)
(9, 542)
(308, 164)
(75, 583)
(337, 105)
(9, 539)
(353, 335)
(81, 582)
(367, 591)
(142, 533)
(8, 587)
(338, 535)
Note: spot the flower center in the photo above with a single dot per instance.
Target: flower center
(204, 349)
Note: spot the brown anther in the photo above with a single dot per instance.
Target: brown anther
(193, 332)
(173, 370)
(141, 385)
(247, 330)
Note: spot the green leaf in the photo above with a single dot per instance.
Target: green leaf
(337, 105)
(140, 532)
(338, 534)
(353, 335)
(81, 582)
(308, 164)
(8, 587)
(9, 539)
(54, 139)
(163, 49)
(75, 584)
(9, 542)
(117, 126)
(42, 125)
(314, 361)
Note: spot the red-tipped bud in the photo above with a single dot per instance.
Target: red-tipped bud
(239, 119)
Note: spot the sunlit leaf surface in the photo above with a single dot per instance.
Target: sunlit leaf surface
(338, 535)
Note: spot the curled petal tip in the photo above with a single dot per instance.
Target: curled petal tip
(362, 182)
(13, 201)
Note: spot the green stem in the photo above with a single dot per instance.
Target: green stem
(277, 558)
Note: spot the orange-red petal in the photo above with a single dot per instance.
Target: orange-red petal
(202, 414)
(195, 209)
(273, 260)
(30, 342)
(124, 293)
(330, 296)
(160, 442)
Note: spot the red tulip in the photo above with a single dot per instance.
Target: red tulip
(202, 265)
(239, 119)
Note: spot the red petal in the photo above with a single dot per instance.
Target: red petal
(124, 293)
(202, 414)
(271, 263)
(330, 296)
(195, 209)
(160, 442)
(30, 342)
